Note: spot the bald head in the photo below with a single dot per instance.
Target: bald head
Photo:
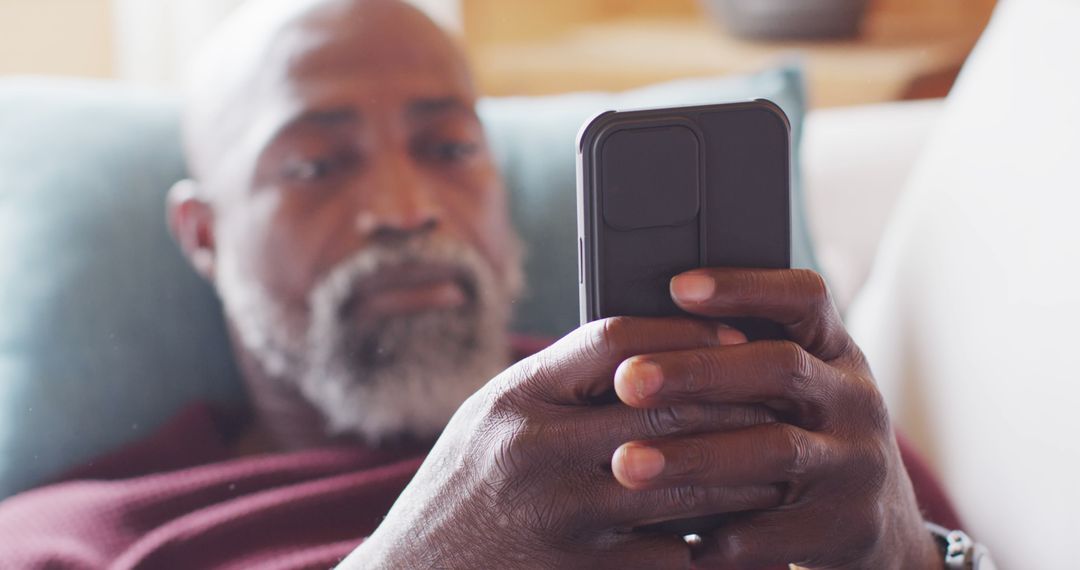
(346, 206)
(260, 61)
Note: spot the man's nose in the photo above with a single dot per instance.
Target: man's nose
(402, 204)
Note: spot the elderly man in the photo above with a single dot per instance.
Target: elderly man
(345, 205)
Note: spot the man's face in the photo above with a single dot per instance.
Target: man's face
(363, 251)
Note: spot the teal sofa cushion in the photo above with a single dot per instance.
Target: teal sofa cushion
(105, 332)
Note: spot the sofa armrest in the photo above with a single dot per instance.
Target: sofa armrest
(855, 163)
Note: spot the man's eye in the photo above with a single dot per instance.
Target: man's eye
(308, 170)
(452, 151)
(312, 170)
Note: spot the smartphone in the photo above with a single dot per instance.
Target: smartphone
(663, 191)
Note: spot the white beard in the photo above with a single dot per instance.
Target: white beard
(396, 377)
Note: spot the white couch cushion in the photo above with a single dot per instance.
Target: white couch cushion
(856, 161)
(970, 315)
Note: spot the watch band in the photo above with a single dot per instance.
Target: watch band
(960, 552)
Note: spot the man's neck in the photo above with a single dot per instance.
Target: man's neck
(282, 420)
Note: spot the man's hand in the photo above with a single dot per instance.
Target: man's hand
(847, 500)
(522, 477)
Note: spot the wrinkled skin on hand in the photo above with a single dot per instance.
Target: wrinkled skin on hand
(789, 439)
(521, 477)
(847, 500)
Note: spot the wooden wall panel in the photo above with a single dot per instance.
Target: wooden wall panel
(53, 37)
(486, 21)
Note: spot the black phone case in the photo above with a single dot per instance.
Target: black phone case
(662, 191)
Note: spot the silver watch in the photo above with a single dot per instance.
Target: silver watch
(961, 553)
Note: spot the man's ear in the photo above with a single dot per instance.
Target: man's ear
(191, 221)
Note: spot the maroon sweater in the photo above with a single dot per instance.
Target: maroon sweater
(179, 500)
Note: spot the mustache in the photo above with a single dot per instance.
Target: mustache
(383, 266)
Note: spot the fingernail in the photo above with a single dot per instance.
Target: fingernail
(692, 287)
(644, 378)
(642, 463)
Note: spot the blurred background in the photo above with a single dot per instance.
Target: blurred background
(973, 198)
(901, 49)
